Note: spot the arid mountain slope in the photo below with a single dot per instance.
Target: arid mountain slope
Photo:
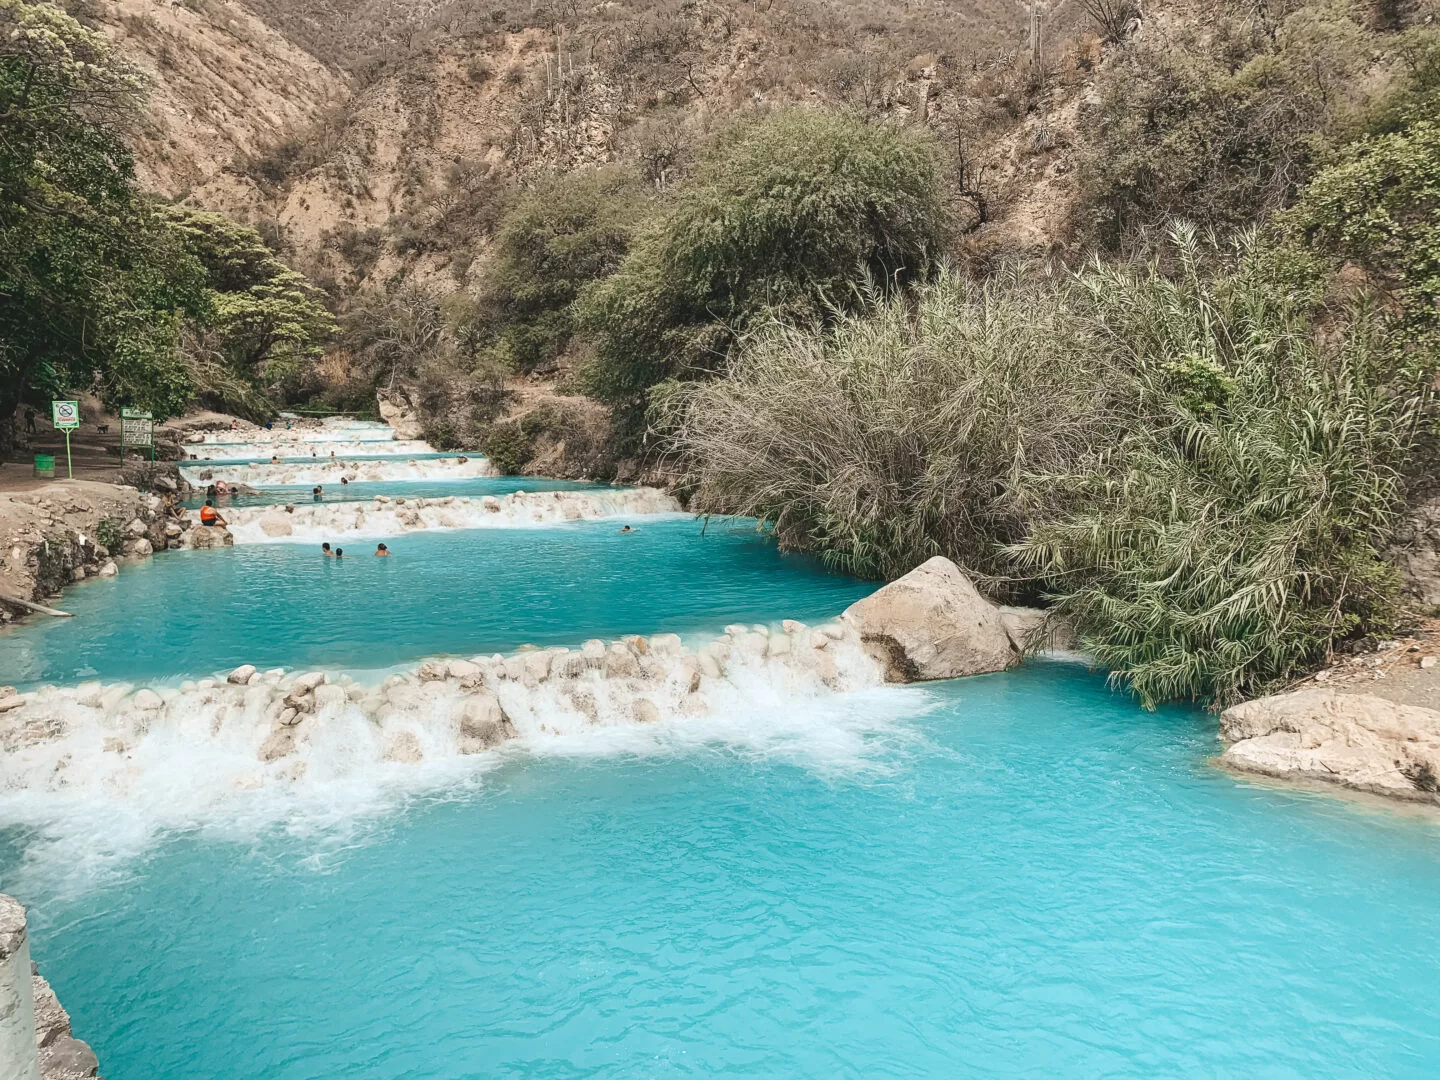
(378, 141)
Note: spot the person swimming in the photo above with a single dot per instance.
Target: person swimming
(274, 459)
(626, 529)
(325, 550)
(317, 493)
(339, 553)
(382, 550)
(210, 516)
(343, 480)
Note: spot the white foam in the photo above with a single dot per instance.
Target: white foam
(328, 430)
(315, 522)
(99, 776)
(318, 449)
(326, 472)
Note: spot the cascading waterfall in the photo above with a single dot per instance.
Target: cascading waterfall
(262, 452)
(382, 516)
(323, 472)
(101, 769)
(339, 448)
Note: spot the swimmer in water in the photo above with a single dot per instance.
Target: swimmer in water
(626, 529)
(382, 550)
(274, 459)
(317, 493)
(325, 550)
(339, 553)
(343, 480)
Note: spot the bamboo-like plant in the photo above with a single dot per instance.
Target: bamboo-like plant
(1173, 455)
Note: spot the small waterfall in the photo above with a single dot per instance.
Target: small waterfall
(100, 770)
(329, 472)
(314, 522)
(322, 454)
(262, 452)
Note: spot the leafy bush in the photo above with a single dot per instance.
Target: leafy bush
(787, 213)
(1217, 124)
(1233, 537)
(559, 237)
(1376, 208)
(900, 433)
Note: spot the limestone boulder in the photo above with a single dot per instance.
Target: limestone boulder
(483, 724)
(1354, 740)
(241, 675)
(210, 536)
(932, 624)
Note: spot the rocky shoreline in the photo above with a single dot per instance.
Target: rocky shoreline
(68, 531)
(36, 1042)
(1369, 722)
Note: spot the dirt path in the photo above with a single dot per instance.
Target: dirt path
(94, 454)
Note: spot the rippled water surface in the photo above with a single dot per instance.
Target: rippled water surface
(1032, 878)
(197, 612)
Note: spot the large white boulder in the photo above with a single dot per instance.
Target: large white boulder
(932, 624)
(1354, 740)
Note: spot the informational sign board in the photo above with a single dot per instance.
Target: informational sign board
(137, 427)
(65, 414)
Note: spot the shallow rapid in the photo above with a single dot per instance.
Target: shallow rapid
(1017, 875)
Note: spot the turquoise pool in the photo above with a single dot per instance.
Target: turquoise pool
(190, 613)
(1019, 875)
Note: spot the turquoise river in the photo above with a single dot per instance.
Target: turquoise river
(1019, 875)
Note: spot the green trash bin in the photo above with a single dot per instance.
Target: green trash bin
(45, 465)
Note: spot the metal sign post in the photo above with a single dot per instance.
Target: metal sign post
(65, 415)
(137, 428)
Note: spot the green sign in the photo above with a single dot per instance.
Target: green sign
(137, 428)
(65, 414)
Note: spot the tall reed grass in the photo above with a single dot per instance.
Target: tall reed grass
(1175, 458)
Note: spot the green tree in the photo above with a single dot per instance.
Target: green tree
(269, 320)
(92, 285)
(1377, 207)
(558, 237)
(788, 213)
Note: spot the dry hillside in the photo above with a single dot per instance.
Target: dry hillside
(377, 141)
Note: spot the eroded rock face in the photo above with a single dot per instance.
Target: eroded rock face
(933, 624)
(1354, 740)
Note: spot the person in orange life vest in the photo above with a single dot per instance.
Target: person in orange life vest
(209, 515)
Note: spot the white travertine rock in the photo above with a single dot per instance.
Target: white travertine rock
(304, 684)
(148, 700)
(1353, 740)
(404, 747)
(932, 624)
(18, 1059)
(207, 536)
(241, 675)
(461, 669)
